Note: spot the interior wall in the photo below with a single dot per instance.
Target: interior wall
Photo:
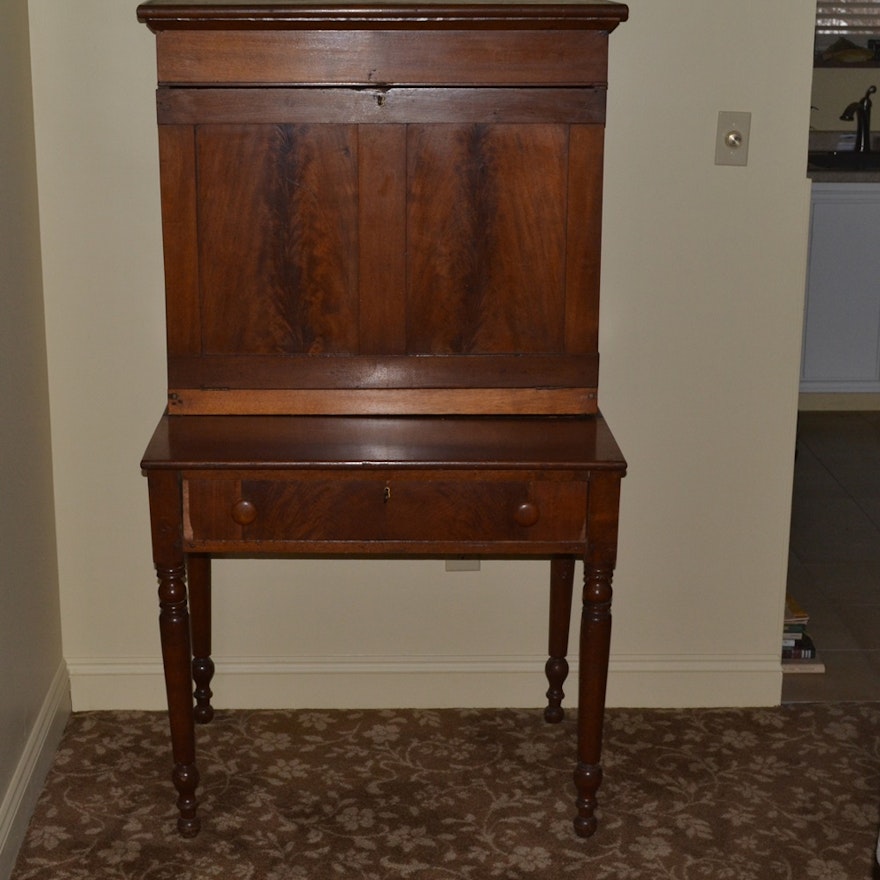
(703, 271)
(31, 664)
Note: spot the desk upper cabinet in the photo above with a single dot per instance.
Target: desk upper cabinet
(382, 208)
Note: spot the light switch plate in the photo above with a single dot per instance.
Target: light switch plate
(732, 138)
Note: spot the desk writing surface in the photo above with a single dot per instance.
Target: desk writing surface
(410, 441)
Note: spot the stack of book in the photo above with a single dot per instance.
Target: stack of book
(798, 650)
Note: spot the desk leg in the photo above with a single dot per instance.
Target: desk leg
(556, 669)
(166, 518)
(198, 569)
(595, 643)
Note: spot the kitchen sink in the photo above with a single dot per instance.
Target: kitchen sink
(842, 160)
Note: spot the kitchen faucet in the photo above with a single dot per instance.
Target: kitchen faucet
(861, 112)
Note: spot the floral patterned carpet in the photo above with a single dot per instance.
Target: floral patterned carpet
(789, 792)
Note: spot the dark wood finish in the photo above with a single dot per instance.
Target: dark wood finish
(415, 182)
(375, 57)
(243, 510)
(595, 643)
(427, 486)
(556, 668)
(165, 15)
(380, 105)
(165, 517)
(198, 571)
(382, 237)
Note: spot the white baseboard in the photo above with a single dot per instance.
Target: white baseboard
(684, 681)
(438, 681)
(27, 781)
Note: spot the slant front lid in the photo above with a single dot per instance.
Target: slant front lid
(161, 15)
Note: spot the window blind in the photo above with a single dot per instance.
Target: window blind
(847, 17)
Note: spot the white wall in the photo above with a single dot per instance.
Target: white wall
(703, 297)
(703, 274)
(33, 679)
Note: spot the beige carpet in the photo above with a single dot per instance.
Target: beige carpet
(791, 792)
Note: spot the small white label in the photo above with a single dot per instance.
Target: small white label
(462, 564)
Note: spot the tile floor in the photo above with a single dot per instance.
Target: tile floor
(834, 563)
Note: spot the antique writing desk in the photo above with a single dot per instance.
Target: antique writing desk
(382, 231)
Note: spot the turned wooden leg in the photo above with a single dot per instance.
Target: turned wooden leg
(595, 643)
(594, 649)
(556, 669)
(199, 580)
(174, 629)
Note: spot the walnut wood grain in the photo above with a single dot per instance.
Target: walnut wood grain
(198, 572)
(165, 519)
(180, 238)
(380, 105)
(397, 401)
(472, 443)
(277, 225)
(376, 57)
(372, 372)
(556, 668)
(487, 217)
(441, 241)
(410, 485)
(382, 245)
(161, 15)
(385, 511)
(381, 226)
(595, 642)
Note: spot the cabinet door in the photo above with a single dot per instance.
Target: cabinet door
(435, 248)
(842, 318)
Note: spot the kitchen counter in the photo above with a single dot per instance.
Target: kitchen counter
(823, 176)
(840, 142)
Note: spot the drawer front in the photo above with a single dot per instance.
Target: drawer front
(394, 509)
(384, 57)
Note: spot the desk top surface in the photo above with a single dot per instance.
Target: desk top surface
(454, 442)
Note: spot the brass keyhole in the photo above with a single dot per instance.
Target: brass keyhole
(386, 495)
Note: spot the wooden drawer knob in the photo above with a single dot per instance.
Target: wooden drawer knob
(526, 514)
(243, 512)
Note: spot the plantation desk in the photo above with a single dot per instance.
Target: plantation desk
(382, 233)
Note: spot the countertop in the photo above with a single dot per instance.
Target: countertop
(827, 141)
(843, 176)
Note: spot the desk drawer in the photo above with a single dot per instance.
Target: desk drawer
(433, 56)
(311, 509)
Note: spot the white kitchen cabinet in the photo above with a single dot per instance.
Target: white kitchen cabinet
(841, 349)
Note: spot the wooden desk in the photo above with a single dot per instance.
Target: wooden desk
(409, 486)
(382, 237)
